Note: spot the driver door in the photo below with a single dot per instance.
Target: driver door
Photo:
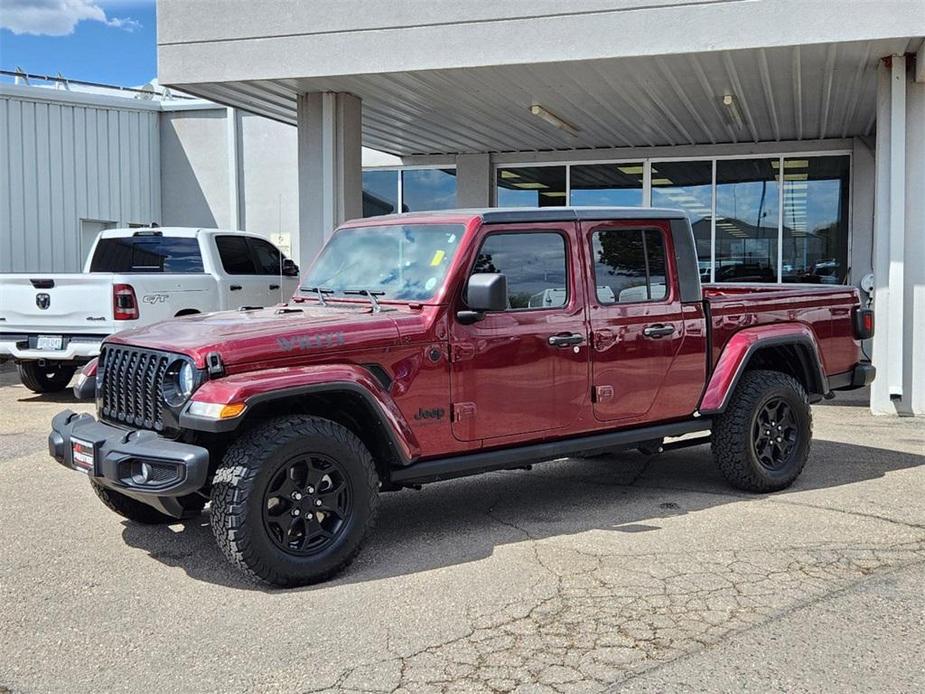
(524, 370)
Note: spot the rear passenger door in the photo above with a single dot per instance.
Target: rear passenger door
(243, 284)
(635, 316)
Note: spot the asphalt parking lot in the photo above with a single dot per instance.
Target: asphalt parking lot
(625, 573)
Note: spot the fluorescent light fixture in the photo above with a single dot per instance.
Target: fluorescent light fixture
(792, 164)
(530, 185)
(631, 170)
(661, 182)
(554, 194)
(731, 111)
(505, 174)
(554, 120)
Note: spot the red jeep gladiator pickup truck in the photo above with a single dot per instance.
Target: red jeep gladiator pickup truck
(422, 347)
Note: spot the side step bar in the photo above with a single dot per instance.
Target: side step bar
(504, 458)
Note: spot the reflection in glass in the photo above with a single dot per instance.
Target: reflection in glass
(688, 185)
(607, 184)
(428, 189)
(531, 186)
(534, 265)
(747, 200)
(815, 242)
(380, 192)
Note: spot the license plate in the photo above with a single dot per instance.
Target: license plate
(83, 455)
(52, 342)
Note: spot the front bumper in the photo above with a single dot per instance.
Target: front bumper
(138, 463)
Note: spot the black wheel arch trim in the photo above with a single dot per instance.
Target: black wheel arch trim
(810, 365)
(197, 423)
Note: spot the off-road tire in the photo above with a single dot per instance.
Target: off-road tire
(243, 479)
(135, 510)
(51, 378)
(733, 437)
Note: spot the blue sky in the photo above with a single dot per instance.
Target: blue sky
(109, 41)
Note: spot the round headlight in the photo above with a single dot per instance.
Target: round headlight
(186, 380)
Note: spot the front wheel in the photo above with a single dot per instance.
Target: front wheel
(762, 440)
(294, 499)
(51, 378)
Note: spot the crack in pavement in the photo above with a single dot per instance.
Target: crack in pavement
(603, 619)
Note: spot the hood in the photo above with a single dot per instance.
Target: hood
(269, 334)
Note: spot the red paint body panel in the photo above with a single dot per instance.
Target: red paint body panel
(733, 356)
(499, 378)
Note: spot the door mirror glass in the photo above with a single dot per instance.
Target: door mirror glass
(290, 269)
(487, 291)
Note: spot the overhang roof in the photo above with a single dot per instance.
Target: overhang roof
(786, 93)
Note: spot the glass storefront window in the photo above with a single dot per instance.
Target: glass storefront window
(428, 189)
(815, 239)
(380, 192)
(531, 186)
(688, 185)
(617, 185)
(747, 203)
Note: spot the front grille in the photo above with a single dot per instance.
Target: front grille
(130, 392)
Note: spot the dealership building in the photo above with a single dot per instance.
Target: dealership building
(791, 132)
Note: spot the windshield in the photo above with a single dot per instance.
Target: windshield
(406, 262)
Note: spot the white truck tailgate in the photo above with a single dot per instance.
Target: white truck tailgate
(68, 304)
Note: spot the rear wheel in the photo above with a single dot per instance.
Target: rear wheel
(51, 378)
(762, 440)
(294, 499)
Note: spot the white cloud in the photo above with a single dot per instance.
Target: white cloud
(56, 17)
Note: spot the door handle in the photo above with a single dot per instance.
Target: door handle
(658, 330)
(566, 339)
(235, 287)
(274, 286)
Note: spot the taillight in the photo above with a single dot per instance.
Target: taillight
(124, 303)
(864, 323)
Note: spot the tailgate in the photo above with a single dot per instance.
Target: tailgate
(61, 304)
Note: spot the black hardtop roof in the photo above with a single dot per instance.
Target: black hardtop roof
(497, 215)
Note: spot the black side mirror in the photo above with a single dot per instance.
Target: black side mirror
(290, 269)
(485, 291)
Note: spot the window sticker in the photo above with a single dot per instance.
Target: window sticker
(430, 284)
(438, 257)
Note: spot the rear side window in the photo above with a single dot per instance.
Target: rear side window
(629, 265)
(235, 255)
(147, 254)
(534, 264)
(266, 256)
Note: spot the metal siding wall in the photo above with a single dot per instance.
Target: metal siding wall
(63, 162)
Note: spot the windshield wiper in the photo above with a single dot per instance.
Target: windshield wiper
(367, 293)
(320, 291)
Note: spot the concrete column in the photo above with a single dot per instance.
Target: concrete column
(474, 182)
(899, 345)
(330, 168)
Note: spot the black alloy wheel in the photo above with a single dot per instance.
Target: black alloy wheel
(307, 504)
(775, 434)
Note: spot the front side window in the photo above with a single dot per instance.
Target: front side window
(629, 265)
(534, 264)
(267, 257)
(147, 254)
(405, 262)
(235, 255)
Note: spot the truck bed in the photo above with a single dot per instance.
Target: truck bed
(822, 308)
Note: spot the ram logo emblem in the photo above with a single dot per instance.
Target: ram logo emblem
(43, 300)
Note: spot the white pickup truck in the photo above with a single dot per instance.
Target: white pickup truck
(50, 324)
